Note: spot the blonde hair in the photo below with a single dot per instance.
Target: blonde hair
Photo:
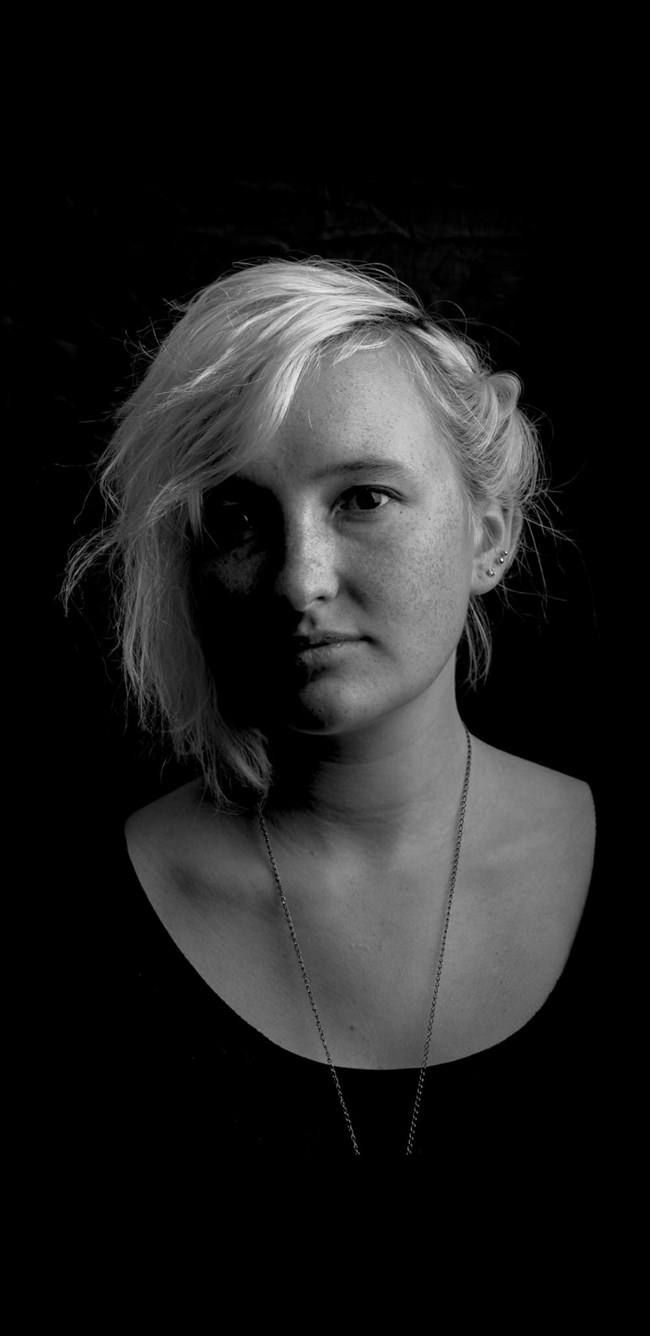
(222, 382)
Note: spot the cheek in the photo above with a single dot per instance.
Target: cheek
(420, 578)
(224, 582)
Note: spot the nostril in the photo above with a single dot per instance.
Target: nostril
(307, 564)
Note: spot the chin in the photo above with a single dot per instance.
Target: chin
(329, 714)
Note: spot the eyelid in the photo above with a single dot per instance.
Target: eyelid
(247, 506)
(251, 501)
(370, 487)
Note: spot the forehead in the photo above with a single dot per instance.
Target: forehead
(366, 406)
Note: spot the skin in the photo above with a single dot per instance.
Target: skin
(368, 744)
(369, 752)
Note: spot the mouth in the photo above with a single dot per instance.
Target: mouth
(305, 649)
(300, 643)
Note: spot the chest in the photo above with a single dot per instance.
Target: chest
(365, 959)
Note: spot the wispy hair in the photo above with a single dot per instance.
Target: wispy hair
(218, 385)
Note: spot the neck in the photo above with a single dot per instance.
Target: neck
(381, 794)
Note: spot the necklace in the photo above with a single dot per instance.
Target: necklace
(305, 976)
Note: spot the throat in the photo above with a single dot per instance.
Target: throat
(384, 810)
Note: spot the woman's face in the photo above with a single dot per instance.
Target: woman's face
(350, 522)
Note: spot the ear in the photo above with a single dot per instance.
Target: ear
(498, 533)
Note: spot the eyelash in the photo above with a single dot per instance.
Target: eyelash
(377, 491)
(351, 491)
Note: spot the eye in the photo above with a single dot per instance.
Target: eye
(231, 523)
(366, 500)
(233, 512)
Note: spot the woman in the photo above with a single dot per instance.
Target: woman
(356, 919)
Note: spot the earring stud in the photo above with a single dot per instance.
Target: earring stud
(490, 571)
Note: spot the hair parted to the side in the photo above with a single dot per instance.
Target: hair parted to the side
(222, 382)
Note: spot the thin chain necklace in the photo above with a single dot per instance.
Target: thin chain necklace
(305, 976)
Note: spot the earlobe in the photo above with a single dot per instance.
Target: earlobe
(493, 549)
(486, 576)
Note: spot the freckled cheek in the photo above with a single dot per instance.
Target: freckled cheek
(230, 577)
(410, 564)
(419, 589)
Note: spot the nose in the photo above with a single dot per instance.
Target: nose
(308, 571)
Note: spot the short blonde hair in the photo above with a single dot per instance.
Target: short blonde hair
(219, 384)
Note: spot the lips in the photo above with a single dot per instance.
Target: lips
(299, 643)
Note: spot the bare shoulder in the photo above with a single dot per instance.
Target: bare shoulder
(153, 830)
(165, 815)
(529, 786)
(182, 843)
(543, 819)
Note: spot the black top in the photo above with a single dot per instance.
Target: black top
(165, 1066)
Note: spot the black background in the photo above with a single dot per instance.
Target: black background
(519, 267)
(535, 266)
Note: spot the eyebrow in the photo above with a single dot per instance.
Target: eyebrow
(372, 465)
